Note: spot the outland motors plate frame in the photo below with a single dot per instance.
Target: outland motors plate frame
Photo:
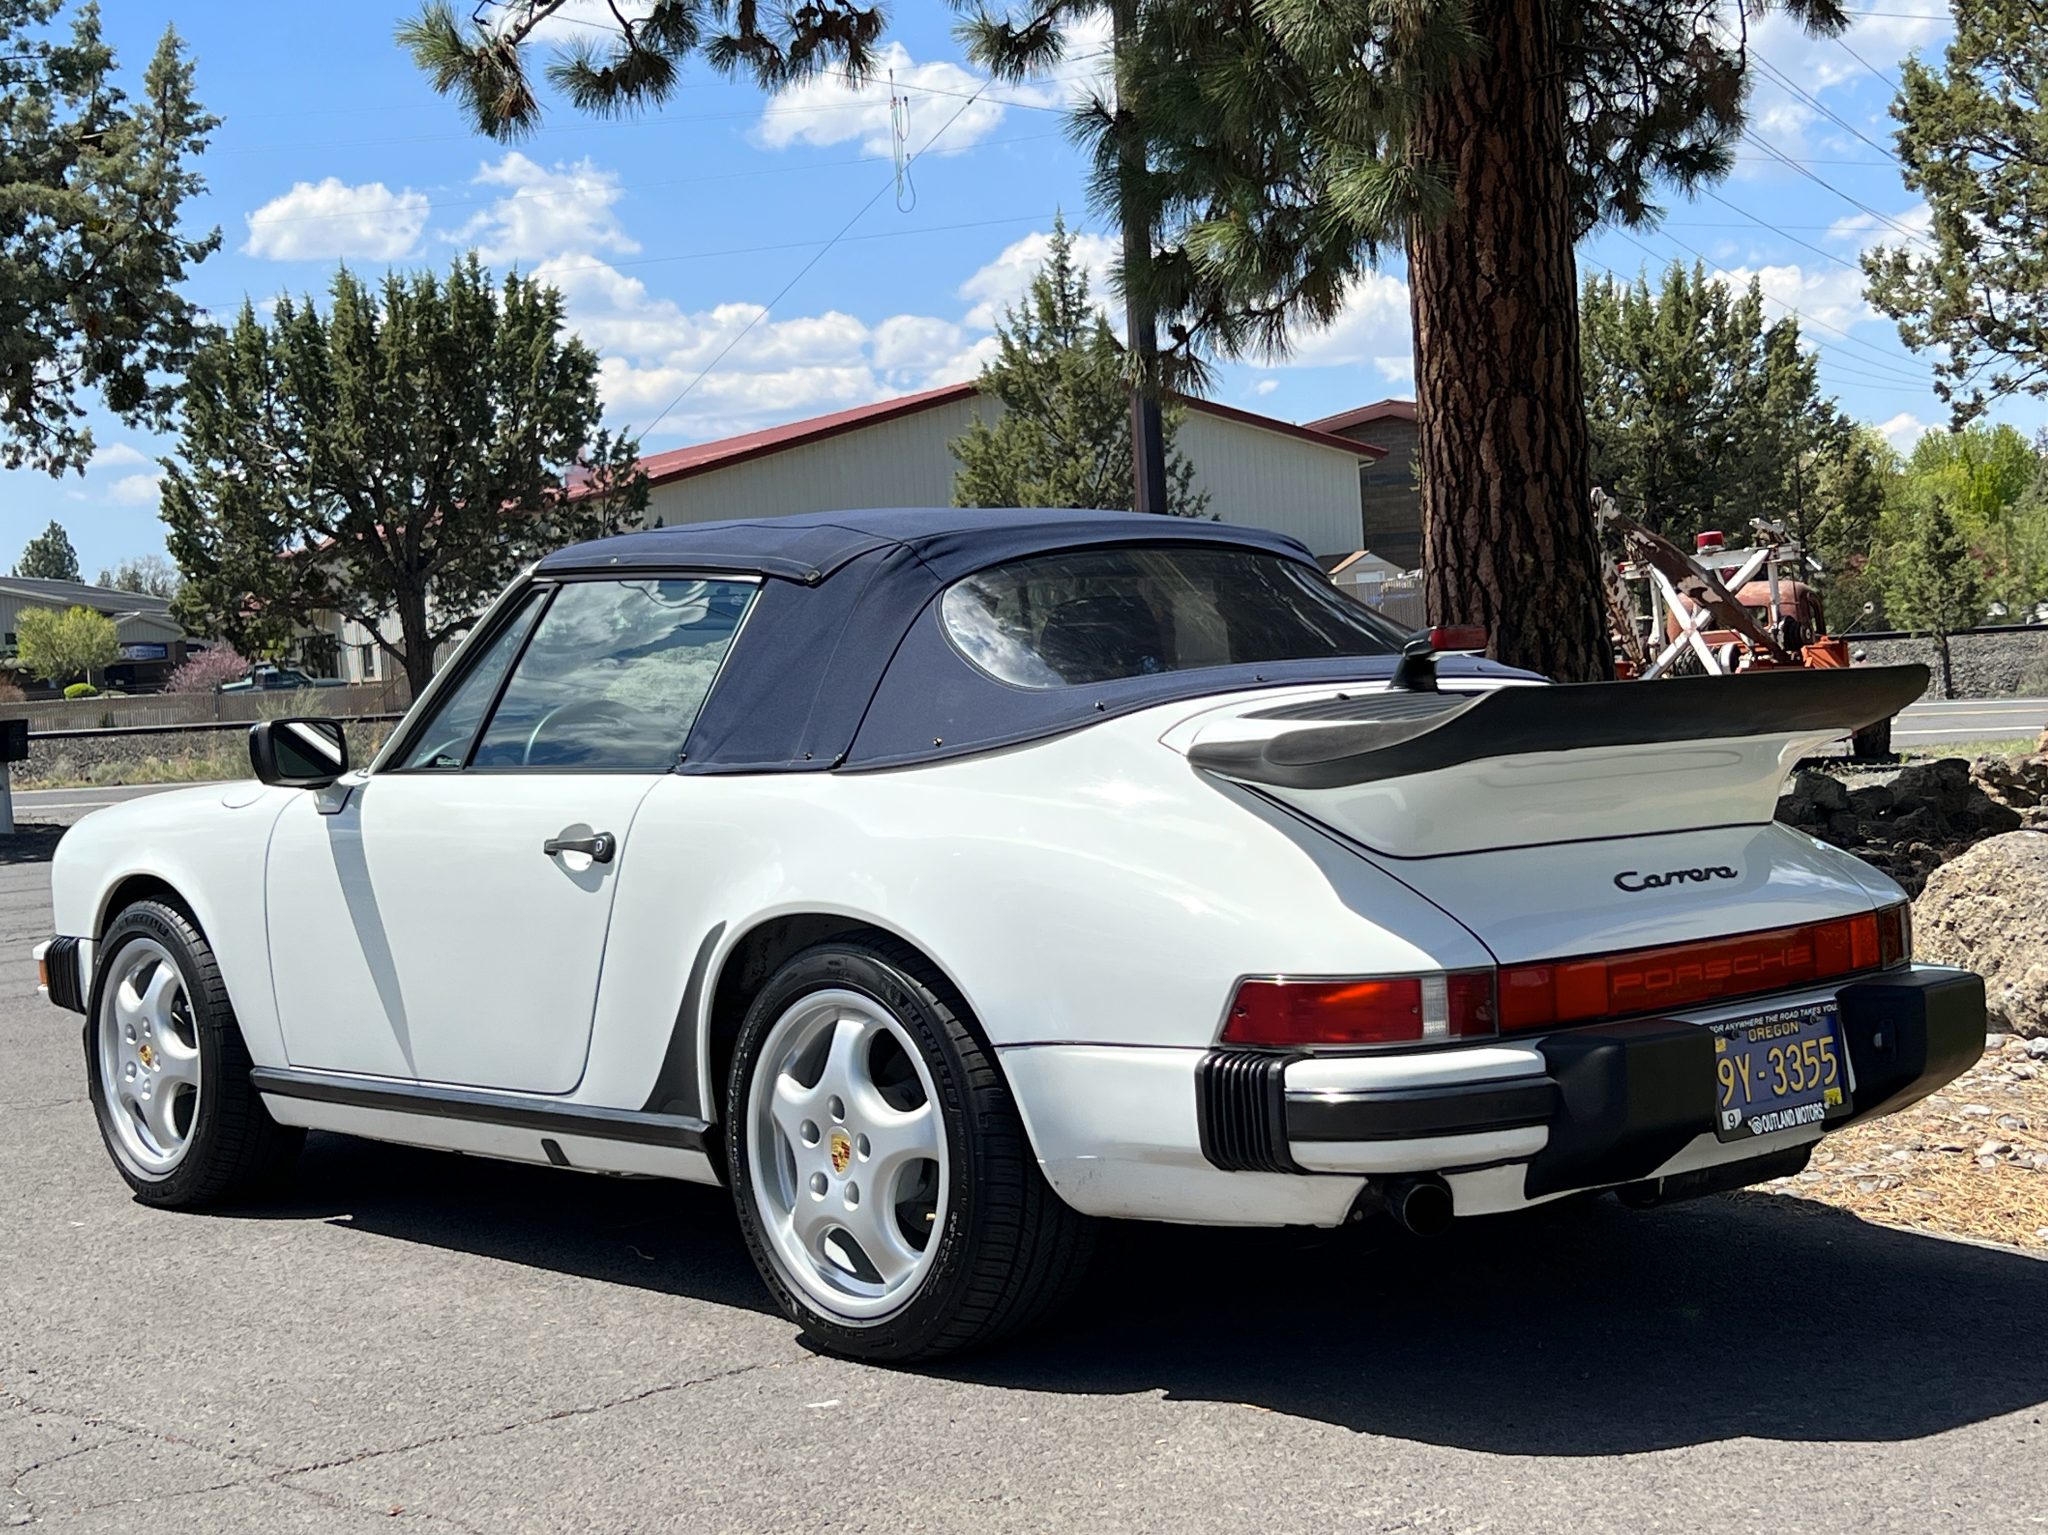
(1779, 1070)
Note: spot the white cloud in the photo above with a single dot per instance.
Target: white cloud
(1265, 386)
(1004, 281)
(1373, 328)
(548, 212)
(1904, 430)
(1833, 295)
(114, 456)
(136, 489)
(830, 109)
(330, 220)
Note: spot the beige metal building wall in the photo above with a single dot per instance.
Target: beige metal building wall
(1264, 479)
(899, 462)
(1259, 478)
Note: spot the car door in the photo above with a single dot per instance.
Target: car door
(447, 923)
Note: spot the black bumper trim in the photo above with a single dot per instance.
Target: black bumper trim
(1466, 1108)
(60, 963)
(1619, 1099)
(1241, 1110)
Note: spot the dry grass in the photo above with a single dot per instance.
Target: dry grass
(1972, 1160)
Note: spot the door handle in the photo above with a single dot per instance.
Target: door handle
(599, 846)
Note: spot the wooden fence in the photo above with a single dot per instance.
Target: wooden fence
(158, 710)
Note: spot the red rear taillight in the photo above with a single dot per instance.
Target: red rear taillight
(1570, 991)
(1383, 1010)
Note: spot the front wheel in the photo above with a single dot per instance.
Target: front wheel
(169, 1073)
(884, 1182)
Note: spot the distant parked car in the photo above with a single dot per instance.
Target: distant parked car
(278, 679)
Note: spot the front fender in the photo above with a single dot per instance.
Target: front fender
(208, 845)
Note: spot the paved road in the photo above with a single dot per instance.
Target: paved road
(415, 1337)
(1931, 723)
(70, 804)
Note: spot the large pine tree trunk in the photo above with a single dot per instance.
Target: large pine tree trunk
(1507, 522)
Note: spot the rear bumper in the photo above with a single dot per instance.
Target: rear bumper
(1596, 1106)
(1266, 1138)
(62, 971)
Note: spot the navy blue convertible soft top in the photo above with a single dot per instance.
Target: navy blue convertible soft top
(844, 663)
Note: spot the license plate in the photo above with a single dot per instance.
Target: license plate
(1779, 1070)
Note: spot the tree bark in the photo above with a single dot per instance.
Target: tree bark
(1508, 528)
(1141, 324)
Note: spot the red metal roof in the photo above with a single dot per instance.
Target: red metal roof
(1365, 415)
(682, 463)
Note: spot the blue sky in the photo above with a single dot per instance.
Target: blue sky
(668, 234)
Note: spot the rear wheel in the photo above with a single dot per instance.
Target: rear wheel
(884, 1181)
(169, 1073)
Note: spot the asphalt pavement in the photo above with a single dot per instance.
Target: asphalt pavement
(415, 1337)
(1935, 721)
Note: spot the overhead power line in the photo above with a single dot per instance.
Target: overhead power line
(1889, 361)
(1819, 106)
(881, 191)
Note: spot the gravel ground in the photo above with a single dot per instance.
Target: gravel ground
(1971, 1160)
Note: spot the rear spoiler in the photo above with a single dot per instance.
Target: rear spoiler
(1333, 743)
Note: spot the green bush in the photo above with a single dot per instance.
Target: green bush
(81, 690)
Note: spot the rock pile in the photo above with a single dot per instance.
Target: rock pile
(1988, 911)
(1911, 820)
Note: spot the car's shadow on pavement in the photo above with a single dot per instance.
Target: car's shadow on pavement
(1581, 1330)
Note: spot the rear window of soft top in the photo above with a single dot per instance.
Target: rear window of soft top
(1096, 615)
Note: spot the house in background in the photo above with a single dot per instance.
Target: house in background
(1258, 471)
(152, 643)
(1389, 498)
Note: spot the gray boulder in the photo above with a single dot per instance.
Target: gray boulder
(1987, 910)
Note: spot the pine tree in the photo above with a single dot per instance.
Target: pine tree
(1287, 145)
(401, 455)
(49, 555)
(481, 55)
(1064, 435)
(1931, 583)
(93, 187)
(1701, 414)
(1973, 141)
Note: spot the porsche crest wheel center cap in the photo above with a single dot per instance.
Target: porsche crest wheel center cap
(842, 1151)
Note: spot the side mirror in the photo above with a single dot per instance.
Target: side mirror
(298, 754)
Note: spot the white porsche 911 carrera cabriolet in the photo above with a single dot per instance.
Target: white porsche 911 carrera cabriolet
(943, 880)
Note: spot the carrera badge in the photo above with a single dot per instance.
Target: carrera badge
(1633, 881)
(842, 1151)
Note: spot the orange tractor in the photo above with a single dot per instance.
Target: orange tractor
(1717, 610)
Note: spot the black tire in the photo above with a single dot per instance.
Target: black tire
(234, 1150)
(1010, 1249)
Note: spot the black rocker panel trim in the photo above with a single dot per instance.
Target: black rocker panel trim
(1375, 743)
(678, 1131)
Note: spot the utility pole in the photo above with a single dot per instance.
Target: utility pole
(1148, 435)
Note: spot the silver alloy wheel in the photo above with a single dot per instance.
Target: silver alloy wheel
(846, 1153)
(148, 1051)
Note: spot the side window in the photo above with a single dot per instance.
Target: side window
(614, 676)
(444, 745)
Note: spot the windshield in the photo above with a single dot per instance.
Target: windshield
(1094, 615)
